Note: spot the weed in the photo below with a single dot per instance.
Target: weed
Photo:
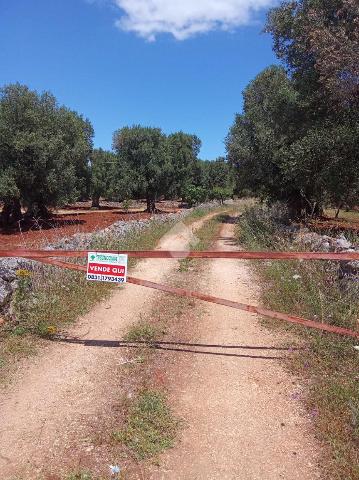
(126, 204)
(142, 332)
(184, 264)
(196, 214)
(150, 426)
(314, 290)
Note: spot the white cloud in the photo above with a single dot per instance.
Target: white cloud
(185, 18)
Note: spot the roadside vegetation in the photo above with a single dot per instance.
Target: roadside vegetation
(150, 426)
(328, 364)
(49, 298)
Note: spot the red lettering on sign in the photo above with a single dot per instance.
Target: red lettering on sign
(115, 270)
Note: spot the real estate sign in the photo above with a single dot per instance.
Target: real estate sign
(107, 267)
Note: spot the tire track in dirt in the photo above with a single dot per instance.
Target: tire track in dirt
(239, 404)
(62, 396)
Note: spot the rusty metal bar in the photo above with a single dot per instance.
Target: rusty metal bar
(337, 256)
(220, 301)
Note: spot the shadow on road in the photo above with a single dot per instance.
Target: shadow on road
(178, 347)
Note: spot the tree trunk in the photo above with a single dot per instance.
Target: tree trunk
(338, 211)
(16, 211)
(11, 212)
(151, 205)
(95, 201)
(43, 210)
(295, 207)
(316, 211)
(6, 214)
(37, 210)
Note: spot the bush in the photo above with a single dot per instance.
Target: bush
(193, 195)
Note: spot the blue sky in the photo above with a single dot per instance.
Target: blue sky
(178, 66)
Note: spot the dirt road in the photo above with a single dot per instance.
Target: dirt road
(244, 421)
(241, 410)
(68, 392)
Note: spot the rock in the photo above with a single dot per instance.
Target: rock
(349, 269)
(313, 240)
(323, 243)
(5, 292)
(342, 243)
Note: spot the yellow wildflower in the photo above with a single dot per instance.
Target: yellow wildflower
(23, 273)
(51, 329)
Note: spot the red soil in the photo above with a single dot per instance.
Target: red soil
(334, 224)
(39, 233)
(76, 218)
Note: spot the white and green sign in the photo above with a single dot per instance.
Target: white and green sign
(107, 267)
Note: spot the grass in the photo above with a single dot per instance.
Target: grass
(349, 216)
(48, 298)
(150, 426)
(329, 363)
(142, 332)
(204, 237)
(197, 213)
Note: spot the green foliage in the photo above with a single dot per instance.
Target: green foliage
(110, 177)
(183, 150)
(319, 41)
(144, 149)
(287, 147)
(142, 332)
(160, 165)
(44, 149)
(126, 204)
(150, 427)
(194, 195)
(101, 174)
(221, 193)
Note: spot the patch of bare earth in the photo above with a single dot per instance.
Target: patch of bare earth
(242, 416)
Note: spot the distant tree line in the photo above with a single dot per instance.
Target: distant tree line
(47, 160)
(297, 139)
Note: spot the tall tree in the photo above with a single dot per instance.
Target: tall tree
(183, 150)
(43, 150)
(297, 138)
(145, 150)
(318, 40)
(102, 172)
(110, 177)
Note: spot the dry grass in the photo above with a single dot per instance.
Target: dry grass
(328, 365)
(351, 216)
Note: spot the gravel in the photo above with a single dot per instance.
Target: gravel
(324, 243)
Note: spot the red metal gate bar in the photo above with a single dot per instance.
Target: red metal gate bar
(221, 301)
(35, 254)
